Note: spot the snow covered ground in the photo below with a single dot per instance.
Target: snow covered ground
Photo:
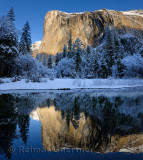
(56, 84)
(138, 149)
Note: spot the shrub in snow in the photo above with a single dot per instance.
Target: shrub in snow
(44, 80)
(16, 78)
(133, 66)
(51, 77)
(28, 66)
(35, 78)
(27, 80)
(1, 81)
(66, 68)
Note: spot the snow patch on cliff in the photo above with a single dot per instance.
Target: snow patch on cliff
(36, 45)
(134, 13)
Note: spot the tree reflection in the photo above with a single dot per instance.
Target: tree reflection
(23, 124)
(14, 111)
(8, 123)
(88, 121)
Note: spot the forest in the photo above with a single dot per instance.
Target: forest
(116, 55)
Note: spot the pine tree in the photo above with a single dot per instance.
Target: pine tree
(11, 15)
(103, 69)
(50, 62)
(7, 24)
(9, 54)
(38, 57)
(45, 62)
(118, 54)
(88, 51)
(57, 59)
(69, 44)
(113, 52)
(69, 53)
(89, 63)
(64, 51)
(77, 52)
(25, 41)
(22, 46)
(96, 68)
(78, 60)
(109, 49)
(8, 46)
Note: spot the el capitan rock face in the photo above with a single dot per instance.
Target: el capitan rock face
(87, 26)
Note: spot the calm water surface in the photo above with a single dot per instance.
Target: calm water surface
(100, 124)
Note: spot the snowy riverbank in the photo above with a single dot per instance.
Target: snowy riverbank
(60, 84)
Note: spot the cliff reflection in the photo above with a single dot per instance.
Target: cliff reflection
(99, 124)
(57, 134)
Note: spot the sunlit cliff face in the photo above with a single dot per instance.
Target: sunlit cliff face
(87, 26)
(70, 131)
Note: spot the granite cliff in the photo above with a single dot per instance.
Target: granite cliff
(88, 26)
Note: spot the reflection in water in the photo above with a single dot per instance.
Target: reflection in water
(100, 124)
(56, 133)
(90, 121)
(14, 111)
(34, 115)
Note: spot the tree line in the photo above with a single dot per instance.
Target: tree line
(116, 56)
(15, 49)
(110, 59)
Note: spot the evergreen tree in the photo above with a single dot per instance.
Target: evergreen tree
(11, 15)
(91, 63)
(69, 44)
(25, 41)
(118, 55)
(77, 52)
(69, 49)
(38, 57)
(78, 59)
(45, 62)
(8, 47)
(102, 67)
(22, 46)
(77, 44)
(88, 50)
(57, 59)
(64, 51)
(50, 62)
(95, 68)
(109, 49)
(7, 24)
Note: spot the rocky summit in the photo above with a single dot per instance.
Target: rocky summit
(87, 26)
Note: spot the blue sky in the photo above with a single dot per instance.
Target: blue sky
(34, 10)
